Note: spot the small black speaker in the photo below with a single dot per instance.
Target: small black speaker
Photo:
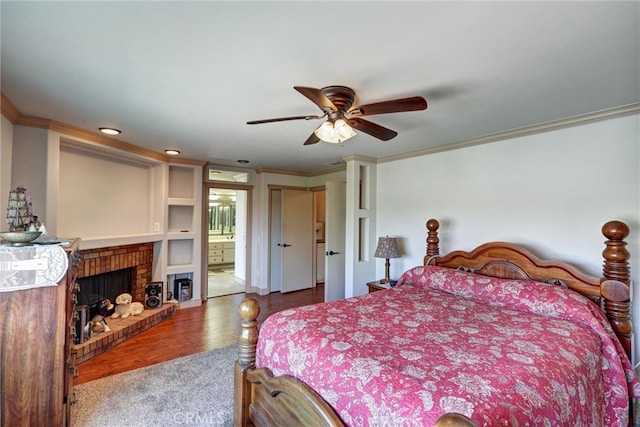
(183, 290)
(153, 295)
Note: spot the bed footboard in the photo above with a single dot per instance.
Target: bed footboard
(264, 400)
(261, 399)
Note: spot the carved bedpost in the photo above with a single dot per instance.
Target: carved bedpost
(249, 310)
(616, 282)
(616, 256)
(432, 239)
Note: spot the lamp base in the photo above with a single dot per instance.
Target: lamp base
(387, 276)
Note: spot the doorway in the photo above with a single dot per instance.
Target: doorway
(226, 241)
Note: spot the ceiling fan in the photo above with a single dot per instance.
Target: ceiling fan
(336, 104)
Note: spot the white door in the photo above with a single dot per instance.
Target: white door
(297, 241)
(336, 213)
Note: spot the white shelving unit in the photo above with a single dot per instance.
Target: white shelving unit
(183, 233)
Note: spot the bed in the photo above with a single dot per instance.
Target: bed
(495, 336)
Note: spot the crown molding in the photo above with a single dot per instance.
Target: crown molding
(9, 110)
(582, 119)
(340, 168)
(305, 174)
(18, 119)
(181, 161)
(281, 172)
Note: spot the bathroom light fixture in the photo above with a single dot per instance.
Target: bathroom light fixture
(334, 132)
(110, 131)
(172, 152)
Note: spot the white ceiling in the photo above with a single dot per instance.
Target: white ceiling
(188, 75)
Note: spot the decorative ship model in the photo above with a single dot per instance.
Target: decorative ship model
(19, 210)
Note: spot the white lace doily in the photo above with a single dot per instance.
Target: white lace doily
(35, 266)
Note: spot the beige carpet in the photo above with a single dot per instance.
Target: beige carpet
(195, 390)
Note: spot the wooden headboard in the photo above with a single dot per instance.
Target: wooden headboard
(506, 260)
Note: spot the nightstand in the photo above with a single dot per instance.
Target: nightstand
(377, 286)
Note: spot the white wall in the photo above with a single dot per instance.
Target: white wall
(29, 166)
(6, 148)
(88, 205)
(320, 180)
(551, 192)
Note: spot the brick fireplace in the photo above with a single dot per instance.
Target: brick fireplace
(137, 257)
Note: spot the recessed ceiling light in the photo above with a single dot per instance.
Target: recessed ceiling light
(172, 152)
(242, 162)
(110, 131)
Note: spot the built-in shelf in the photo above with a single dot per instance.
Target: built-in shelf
(182, 240)
(173, 201)
(181, 218)
(180, 252)
(181, 180)
(179, 235)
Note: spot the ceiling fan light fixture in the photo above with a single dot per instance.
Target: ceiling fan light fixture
(334, 132)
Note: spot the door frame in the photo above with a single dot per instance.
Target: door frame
(204, 256)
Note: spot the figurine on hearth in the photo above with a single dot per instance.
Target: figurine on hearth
(98, 313)
(125, 307)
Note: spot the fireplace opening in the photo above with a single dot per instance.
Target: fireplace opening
(106, 285)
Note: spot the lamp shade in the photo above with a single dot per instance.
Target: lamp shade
(387, 248)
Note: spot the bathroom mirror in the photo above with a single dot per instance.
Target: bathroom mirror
(222, 218)
(222, 211)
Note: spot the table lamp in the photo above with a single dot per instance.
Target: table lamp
(387, 248)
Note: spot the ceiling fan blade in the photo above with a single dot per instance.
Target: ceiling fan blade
(373, 129)
(317, 97)
(312, 139)
(413, 103)
(284, 119)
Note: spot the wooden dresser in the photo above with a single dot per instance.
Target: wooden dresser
(36, 366)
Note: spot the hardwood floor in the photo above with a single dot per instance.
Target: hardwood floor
(214, 324)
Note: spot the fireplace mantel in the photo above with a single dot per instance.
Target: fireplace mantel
(105, 242)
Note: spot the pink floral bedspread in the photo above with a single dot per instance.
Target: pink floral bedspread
(502, 352)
